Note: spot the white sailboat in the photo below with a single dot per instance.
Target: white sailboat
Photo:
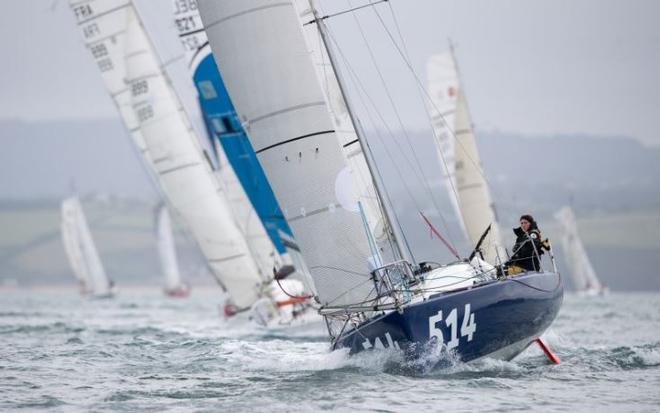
(81, 251)
(174, 286)
(268, 67)
(582, 272)
(457, 150)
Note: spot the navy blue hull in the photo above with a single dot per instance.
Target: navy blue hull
(505, 316)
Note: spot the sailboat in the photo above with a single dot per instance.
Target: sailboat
(582, 272)
(174, 287)
(81, 251)
(370, 296)
(457, 150)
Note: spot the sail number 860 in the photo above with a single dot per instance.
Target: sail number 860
(468, 327)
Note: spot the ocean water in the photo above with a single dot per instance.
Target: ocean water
(145, 352)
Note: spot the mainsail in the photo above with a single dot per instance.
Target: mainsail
(183, 172)
(582, 272)
(457, 149)
(167, 250)
(270, 76)
(81, 251)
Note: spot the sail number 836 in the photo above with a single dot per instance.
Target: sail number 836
(468, 327)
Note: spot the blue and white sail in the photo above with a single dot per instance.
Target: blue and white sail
(81, 251)
(224, 127)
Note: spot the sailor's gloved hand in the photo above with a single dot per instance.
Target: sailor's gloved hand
(546, 244)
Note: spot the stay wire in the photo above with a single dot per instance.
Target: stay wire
(424, 180)
(426, 93)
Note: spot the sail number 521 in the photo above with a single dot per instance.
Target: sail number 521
(468, 327)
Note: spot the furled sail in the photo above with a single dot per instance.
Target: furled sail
(253, 203)
(167, 249)
(582, 272)
(185, 174)
(270, 76)
(81, 251)
(457, 149)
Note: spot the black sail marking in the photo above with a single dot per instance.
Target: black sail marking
(297, 138)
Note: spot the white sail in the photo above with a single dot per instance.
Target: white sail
(362, 185)
(167, 250)
(196, 49)
(81, 251)
(103, 26)
(269, 74)
(183, 171)
(456, 144)
(582, 272)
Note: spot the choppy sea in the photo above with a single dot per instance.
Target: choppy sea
(145, 352)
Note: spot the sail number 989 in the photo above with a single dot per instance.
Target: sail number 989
(468, 327)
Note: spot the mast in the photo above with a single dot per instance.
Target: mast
(381, 191)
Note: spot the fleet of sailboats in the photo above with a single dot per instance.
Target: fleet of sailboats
(283, 196)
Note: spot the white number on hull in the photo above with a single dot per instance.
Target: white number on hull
(468, 327)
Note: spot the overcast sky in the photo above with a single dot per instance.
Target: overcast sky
(535, 67)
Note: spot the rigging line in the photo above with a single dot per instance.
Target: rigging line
(361, 88)
(420, 89)
(326, 79)
(396, 223)
(426, 93)
(346, 11)
(425, 179)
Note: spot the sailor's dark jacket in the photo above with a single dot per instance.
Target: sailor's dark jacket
(527, 249)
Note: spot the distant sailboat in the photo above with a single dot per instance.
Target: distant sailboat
(372, 294)
(457, 149)
(582, 273)
(174, 287)
(81, 251)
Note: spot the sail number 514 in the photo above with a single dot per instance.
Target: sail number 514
(468, 327)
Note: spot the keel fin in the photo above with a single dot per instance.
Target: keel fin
(548, 352)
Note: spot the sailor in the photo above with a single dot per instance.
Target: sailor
(528, 248)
